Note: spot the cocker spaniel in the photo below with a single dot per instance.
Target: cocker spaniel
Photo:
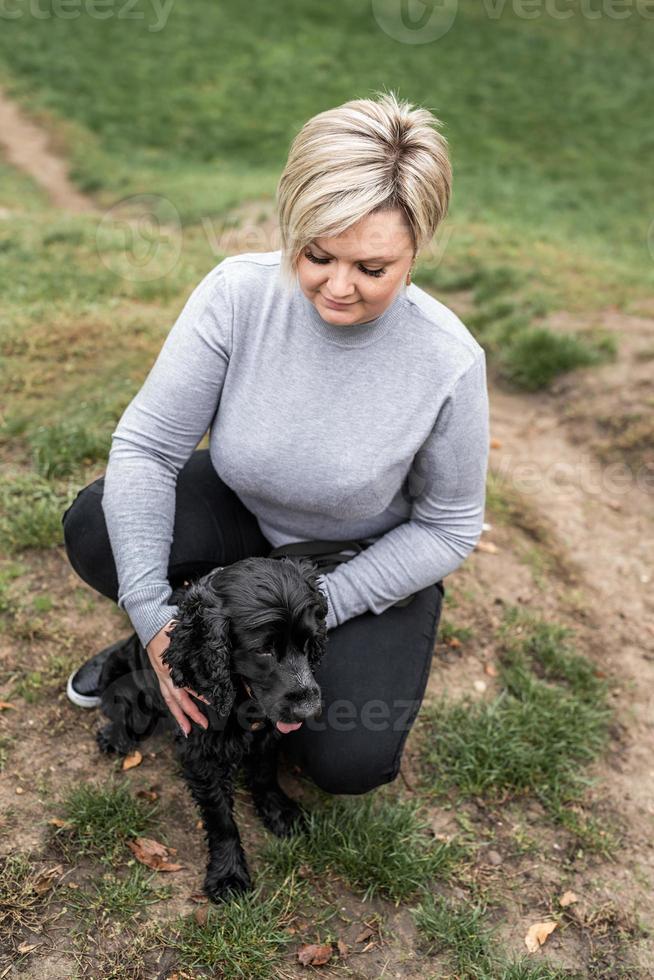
(248, 638)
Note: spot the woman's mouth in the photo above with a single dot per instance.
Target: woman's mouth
(335, 306)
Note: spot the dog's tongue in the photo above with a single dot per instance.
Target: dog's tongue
(288, 726)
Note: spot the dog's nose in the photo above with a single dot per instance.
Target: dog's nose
(307, 705)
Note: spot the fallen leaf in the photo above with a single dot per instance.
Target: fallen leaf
(537, 934)
(453, 641)
(24, 948)
(58, 822)
(490, 669)
(133, 759)
(343, 948)
(568, 898)
(45, 879)
(487, 546)
(365, 934)
(6, 704)
(314, 955)
(153, 854)
(147, 794)
(201, 915)
(496, 443)
(199, 898)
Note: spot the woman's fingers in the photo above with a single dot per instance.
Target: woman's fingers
(180, 705)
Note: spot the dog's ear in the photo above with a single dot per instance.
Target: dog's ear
(199, 653)
(318, 643)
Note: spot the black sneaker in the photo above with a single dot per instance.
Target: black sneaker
(83, 687)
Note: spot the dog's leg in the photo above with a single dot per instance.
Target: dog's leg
(278, 812)
(211, 785)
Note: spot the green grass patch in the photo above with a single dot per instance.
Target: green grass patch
(120, 896)
(31, 509)
(243, 938)
(61, 449)
(101, 819)
(549, 720)
(460, 930)
(379, 847)
(535, 356)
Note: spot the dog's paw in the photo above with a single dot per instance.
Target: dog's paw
(103, 738)
(281, 815)
(222, 888)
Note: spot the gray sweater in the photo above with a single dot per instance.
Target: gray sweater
(324, 432)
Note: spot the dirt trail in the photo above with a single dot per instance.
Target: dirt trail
(605, 520)
(26, 147)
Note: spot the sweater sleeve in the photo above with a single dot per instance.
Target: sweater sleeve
(154, 438)
(447, 486)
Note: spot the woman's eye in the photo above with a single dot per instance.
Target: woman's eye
(375, 273)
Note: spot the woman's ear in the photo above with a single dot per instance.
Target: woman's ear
(199, 653)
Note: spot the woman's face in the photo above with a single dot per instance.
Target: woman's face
(353, 277)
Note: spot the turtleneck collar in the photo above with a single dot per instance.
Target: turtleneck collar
(357, 334)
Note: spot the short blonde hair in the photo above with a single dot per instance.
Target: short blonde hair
(363, 156)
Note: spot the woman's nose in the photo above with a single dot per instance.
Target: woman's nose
(340, 283)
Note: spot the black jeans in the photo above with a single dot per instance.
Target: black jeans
(374, 672)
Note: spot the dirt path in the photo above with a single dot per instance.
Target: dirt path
(26, 146)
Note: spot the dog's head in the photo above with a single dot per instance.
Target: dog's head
(262, 619)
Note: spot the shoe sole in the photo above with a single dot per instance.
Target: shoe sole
(81, 700)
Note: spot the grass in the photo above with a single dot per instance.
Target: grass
(31, 509)
(549, 720)
(243, 939)
(23, 897)
(378, 847)
(123, 897)
(101, 819)
(460, 930)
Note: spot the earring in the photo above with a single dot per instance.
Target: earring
(408, 278)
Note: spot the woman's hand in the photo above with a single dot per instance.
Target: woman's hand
(177, 698)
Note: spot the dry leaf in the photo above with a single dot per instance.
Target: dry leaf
(153, 854)
(365, 934)
(568, 898)
(24, 948)
(133, 759)
(58, 822)
(490, 669)
(343, 948)
(46, 879)
(537, 934)
(6, 704)
(496, 443)
(147, 794)
(314, 954)
(201, 915)
(199, 898)
(487, 546)
(453, 641)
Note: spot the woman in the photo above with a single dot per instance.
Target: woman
(343, 403)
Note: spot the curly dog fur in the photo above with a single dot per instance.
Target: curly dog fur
(248, 638)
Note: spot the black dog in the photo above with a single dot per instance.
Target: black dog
(247, 637)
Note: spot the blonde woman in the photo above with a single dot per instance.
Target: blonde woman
(348, 419)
